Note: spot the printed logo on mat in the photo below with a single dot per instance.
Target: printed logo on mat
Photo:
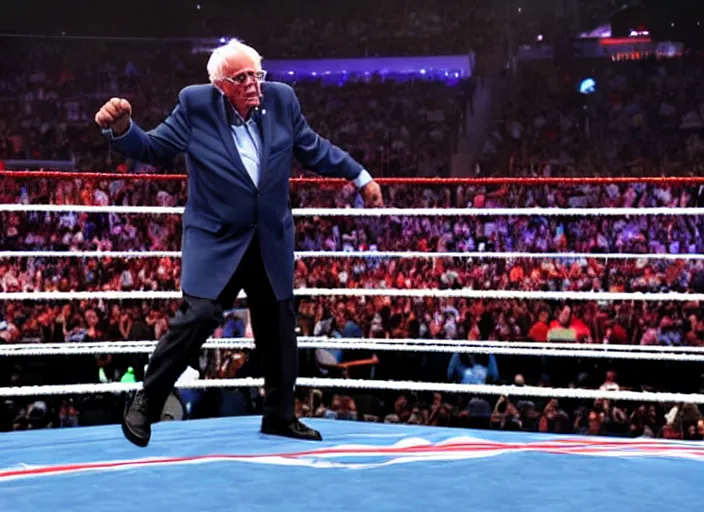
(410, 450)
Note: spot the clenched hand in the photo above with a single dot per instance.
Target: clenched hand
(115, 114)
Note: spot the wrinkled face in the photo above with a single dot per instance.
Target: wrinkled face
(242, 83)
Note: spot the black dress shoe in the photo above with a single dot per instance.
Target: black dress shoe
(290, 428)
(137, 422)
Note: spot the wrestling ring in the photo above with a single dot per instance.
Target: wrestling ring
(225, 463)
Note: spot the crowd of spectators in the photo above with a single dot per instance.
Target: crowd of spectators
(602, 417)
(643, 117)
(51, 91)
(319, 29)
(297, 29)
(367, 28)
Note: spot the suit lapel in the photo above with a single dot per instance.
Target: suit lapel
(226, 136)
(265, 131)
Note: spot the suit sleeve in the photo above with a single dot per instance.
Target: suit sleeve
(319, 154)
(160, 145)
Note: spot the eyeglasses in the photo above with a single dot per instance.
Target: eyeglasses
(244, 76)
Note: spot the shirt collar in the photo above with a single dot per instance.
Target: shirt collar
(234, 117)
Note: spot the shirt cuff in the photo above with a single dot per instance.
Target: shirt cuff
(363, 178)
(109, 133)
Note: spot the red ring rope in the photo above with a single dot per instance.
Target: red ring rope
(666, 180)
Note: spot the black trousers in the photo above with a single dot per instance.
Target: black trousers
(273, 323)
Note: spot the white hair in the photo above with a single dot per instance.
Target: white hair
(220, 57)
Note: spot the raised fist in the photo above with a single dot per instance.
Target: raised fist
(115, 114)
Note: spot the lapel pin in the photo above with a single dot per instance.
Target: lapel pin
(263, 111)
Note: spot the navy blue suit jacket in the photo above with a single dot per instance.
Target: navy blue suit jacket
(224, 208)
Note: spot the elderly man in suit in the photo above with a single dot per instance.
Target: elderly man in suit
(239, 135)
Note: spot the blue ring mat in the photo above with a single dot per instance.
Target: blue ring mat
(226, 464)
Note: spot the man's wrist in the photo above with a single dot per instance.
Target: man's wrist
(108, 132)
(362, 179)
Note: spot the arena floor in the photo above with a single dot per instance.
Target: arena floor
(225, 464)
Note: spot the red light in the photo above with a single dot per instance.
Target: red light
(624, 40)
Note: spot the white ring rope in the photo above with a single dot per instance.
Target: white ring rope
(590, 347)
(95, 347)
(495, 255)
(601, 347)
(371, 212)
(375, 292)
(98, 295)
(90, 254)
(146, 347)
(77, 208)
(477, 389)
(370, 254)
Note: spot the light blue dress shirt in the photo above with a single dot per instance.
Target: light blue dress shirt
(248, 141)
